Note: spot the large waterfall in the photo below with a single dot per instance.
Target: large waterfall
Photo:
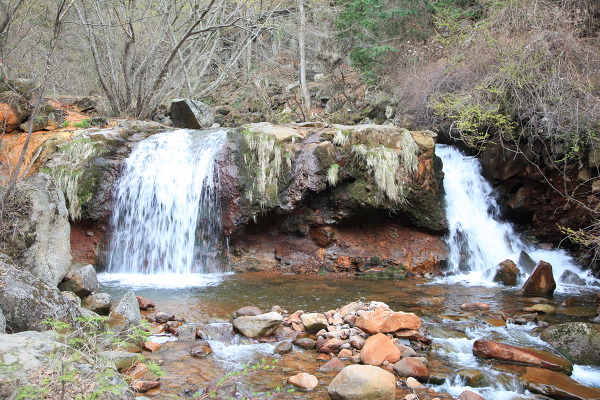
(478, 239)
(166, 217)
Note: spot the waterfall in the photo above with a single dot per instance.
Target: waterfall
(477, 239)
(166, 218)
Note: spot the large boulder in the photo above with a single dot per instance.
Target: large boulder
(14, 109)
(28, 300)
(507, 273)
(258, 325)
(127, 313)
(377, 349)
(46, 242)
(191, 114)
(541, 282)
(363, 382)
(81, 280)
(523, 355)
(386, 321)
(577, 341)
(556, 385)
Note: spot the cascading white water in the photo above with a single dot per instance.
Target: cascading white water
(478, 240)
(166, 218)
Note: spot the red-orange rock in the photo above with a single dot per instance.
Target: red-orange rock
(331, 346)
(151, 346)
(504, 352)
(541, 282)
(303, 381)
(345, 353)
(507, 273)
(556, 385)
(144, 303)
(377, 349)
(136, 372)
(384, 321)
(411, 366)
(144, 386)
(335, 364)
(474, 307)
(323, 357)
(14, 109)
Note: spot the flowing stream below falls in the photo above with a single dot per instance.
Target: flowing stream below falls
(166, 234)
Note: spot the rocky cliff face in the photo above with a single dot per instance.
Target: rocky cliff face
(307, 197)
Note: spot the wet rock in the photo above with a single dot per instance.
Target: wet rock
(248, 311)
(136, 372)
(541, 282)
(411, 366)
(122, 360)
(577, 341)
(145, 386)
(571, 278)
(504, 352)
(201, 349)
(305, 343)
(303, 381)
(474, 377)
(556, 385)
(335, 364)
(541, 308)
(377, 349)
(80, 279)
(191, 114)
(144, 303)
(363, 382)
(163, 317)
(331, 346)
(26, 300)
(405, 351)
(257, 326)
(474, 307)
(126, 314)
(526, 263)
(151, 346)
(385, 321)
(469, 395)
(507, 273)
(98, 303)
(283, 348)
(314, 322)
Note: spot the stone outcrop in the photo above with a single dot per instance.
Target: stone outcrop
(577, 341)
(541, 282)
(363, 382)
(257, 326)
(191, 114)
(504, 352)
(27, 300)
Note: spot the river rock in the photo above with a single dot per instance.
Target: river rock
(335, 364)
(126, 314)
(27, 300)
(201, 349)
(474, 377)
(80, 279)
(72, 297)
(46, 244)
(145, 386)
(474, 307)
(314, 322)
(144, 303)
(556, 385)
(163, 317)
(357, 342)
(385, 321)
(541, 308)
(363, 382)
(97, 302)
(258, 325)
(405, 351)
(191, 114)
(577, 341)
(541, 282)
(507, 273)
(305, 343)
(525, 262)
(248, 311)
(377, 349)
(412, 366)
(303, 381)
(469, 395)
(504, 352)
(331, 346)
(283, 348)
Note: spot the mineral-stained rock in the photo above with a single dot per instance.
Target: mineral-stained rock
(384, 321)
(14, 109)
(145, 386)
(504, 352)
(556, 385)
(577, 341)
(379, 348)
(541, 282)
(363, 382)
(305, 343)
(474, 307)
(257, 326)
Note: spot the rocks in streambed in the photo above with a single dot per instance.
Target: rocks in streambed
(507, 273)
(412, 367)
(258, 325)
(387, 321)
(577, 341)
(126, 314)
(283, 348)
(379, 348)
(144, 303)
(474, 307)
(541, 282)
(541, 309)
(201, 349)
(248, 311)
(314, 322)
(469, 395)
(363, 382)
(556, 385)
(504, 352)
(303, 381)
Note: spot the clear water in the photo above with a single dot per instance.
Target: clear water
(478, 239)
(166, 217)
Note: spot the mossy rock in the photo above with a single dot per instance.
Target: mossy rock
(579, 342)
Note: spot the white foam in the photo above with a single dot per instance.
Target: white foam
(587, 375)
(165, 281)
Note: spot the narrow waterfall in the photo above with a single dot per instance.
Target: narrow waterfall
(478, 240)
(166, 217)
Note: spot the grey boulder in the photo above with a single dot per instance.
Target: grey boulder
(258, 325)
(191, 114)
